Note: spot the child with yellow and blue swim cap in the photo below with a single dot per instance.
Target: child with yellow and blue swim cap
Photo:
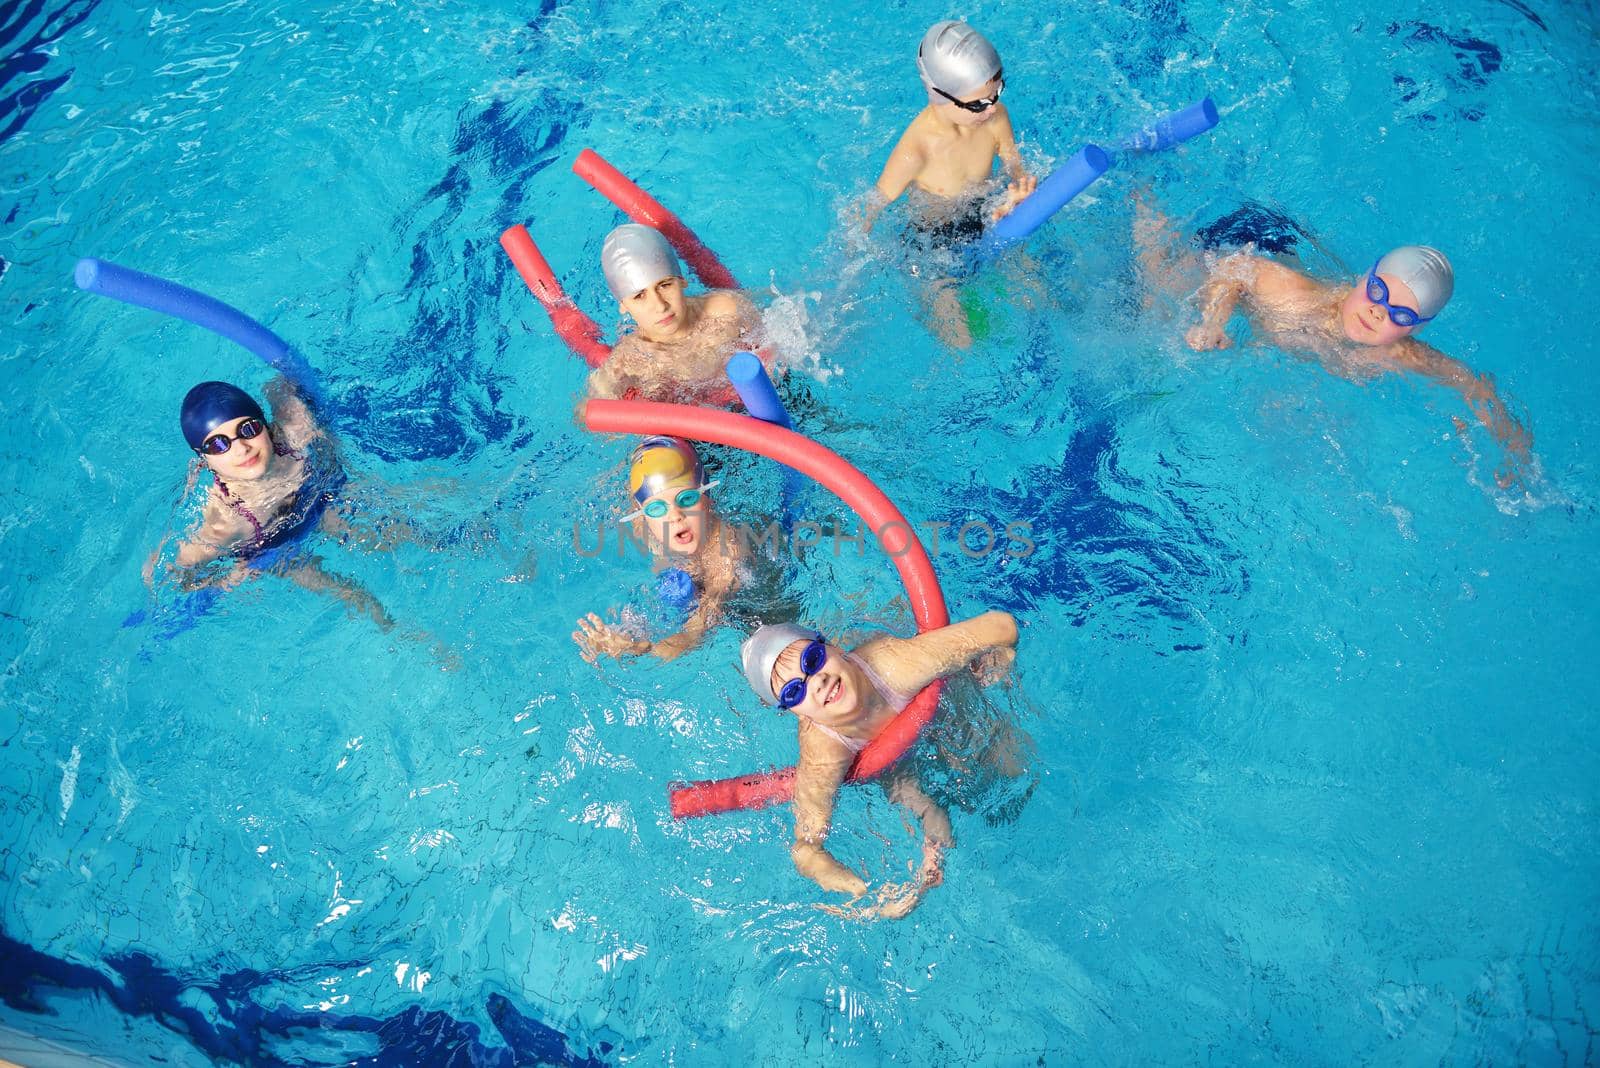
(674, 517)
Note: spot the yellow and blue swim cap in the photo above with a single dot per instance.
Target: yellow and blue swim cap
(658, 463)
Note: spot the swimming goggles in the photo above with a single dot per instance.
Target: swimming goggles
(657, 508)
(1399, 314)
(217, 444)
(812, 657)
(977, 107)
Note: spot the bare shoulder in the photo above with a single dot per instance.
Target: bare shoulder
(725, 303)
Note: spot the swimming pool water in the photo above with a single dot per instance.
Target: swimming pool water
(1311, 697)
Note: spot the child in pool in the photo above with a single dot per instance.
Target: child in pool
(680, 343)
(678, 522)
(1360, 331)
(947, 154)
(271, 485)
(842, 700)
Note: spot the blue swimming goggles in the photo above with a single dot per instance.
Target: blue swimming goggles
(657, 508)
(1378, 293)
(812, 657)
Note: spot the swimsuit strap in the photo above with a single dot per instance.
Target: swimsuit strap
(896, 700)
(855, 745)
(239, 506)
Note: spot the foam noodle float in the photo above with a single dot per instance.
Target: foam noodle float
(147, 291)
(754, 386)
(1081, 171)
(876, 512)
(169, 298)
(579, 332)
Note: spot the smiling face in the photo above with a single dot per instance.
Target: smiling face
(680, 531)
(661, 310)
(1367, 323)
(247, 459)
(833, 694)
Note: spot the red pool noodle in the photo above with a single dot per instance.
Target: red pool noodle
(580, 332)
(875, 510)
(641, 207)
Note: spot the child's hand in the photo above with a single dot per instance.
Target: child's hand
(594, 636)
(1205, 337)
(1016, 193)
(994, 666)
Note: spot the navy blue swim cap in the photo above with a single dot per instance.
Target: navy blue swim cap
(210, 404)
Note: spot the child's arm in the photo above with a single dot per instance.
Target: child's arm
(905, 163)
(1022, 183)
(820, 772)
(1232, 277)
(608, 382)
(909, 664)
(219, 530)
(290, 413)
(595, 636)
(1479, 394)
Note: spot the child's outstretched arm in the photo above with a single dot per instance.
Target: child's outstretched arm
(1480, 395)
(909, 664)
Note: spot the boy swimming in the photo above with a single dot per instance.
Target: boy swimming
(1361, 331)
(680, 343)
(842, 700)
(946, 155)
(682, 529)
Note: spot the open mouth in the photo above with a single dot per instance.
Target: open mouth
(833, 692)
(683, 536)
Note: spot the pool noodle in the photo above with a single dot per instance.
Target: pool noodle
(641, 207)
(1173, 129)
(147, 291)
(875, 510)
(1079, 172)
(580, 333)
(754, 386)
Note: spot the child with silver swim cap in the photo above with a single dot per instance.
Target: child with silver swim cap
(680, 343)
(842, 700)
(947, 153)
(1356, 330)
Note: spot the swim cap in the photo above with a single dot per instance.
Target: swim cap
(1425, 272)
(209, 405)
(955, 57)
(760, 654)
(635, 257)
(659, 462)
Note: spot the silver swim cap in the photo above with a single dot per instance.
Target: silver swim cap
(760, 654)
(956, 58)
(635, 257)
(1425, 272)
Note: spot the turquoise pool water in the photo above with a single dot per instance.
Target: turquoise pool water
(1315, 735)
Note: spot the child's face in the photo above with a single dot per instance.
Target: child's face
(246, 460)
(833, 694)
(1367, 323)
(661, 310)
(989, 90)
(679, 530)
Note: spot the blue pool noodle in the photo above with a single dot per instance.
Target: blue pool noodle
(754, 386)
(147, 291)
(1173, 129)
(1063, 183)
(676, 588)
